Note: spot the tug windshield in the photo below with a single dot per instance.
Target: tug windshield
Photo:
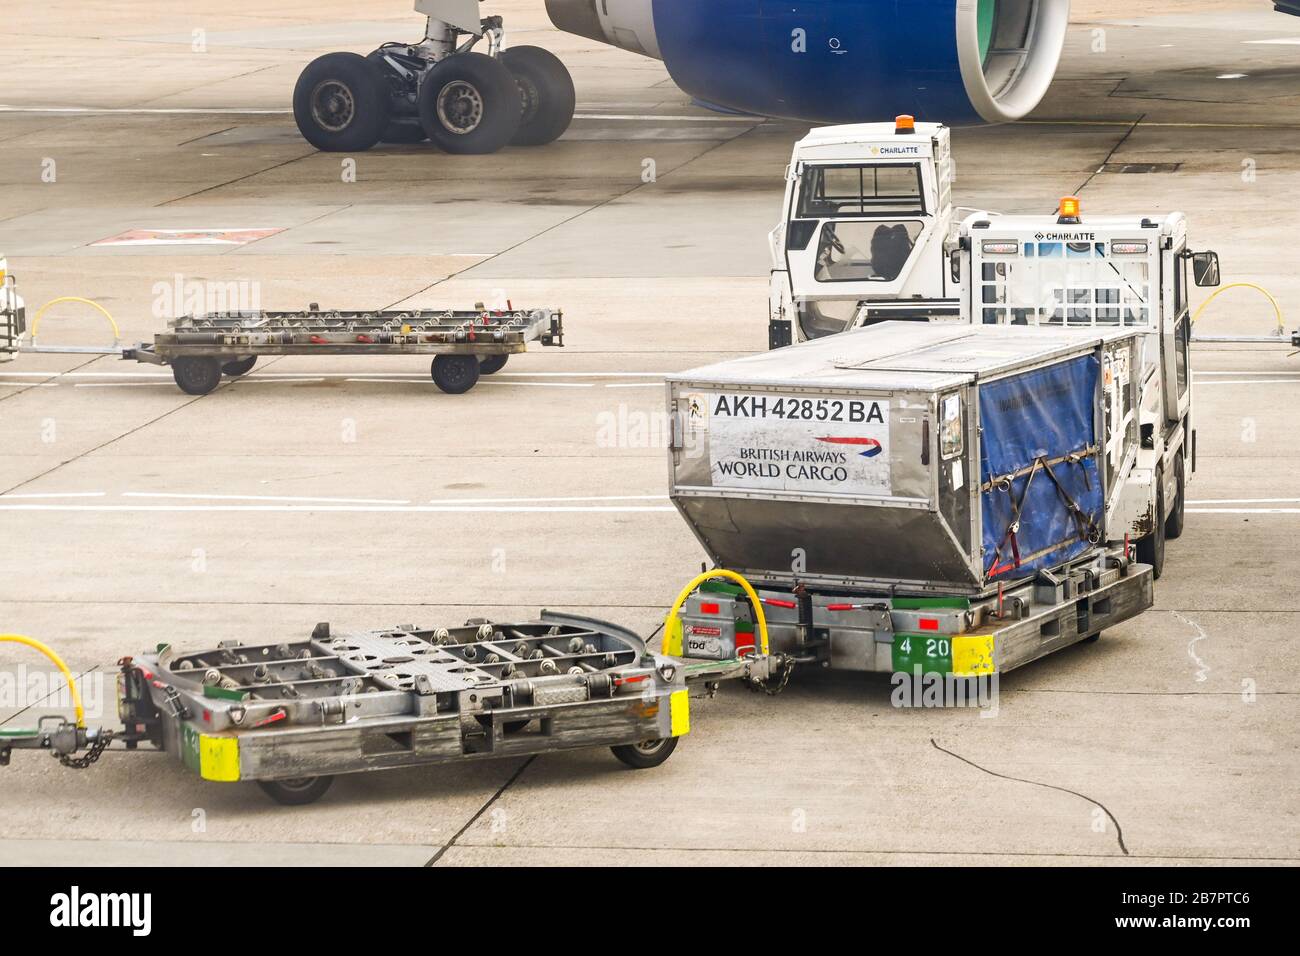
(831, 192)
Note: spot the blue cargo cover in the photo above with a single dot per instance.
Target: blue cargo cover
(1040, 415)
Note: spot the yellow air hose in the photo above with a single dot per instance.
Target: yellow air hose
(1277, 309)
(36, 321)
(58, 662)
(673, 624)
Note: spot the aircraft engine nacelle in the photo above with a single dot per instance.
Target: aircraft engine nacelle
(841, 61)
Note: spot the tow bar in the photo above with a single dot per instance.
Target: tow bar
(62, 737)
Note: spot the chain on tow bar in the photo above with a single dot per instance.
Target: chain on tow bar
(771, 686)
(92, 754)
(100, 742)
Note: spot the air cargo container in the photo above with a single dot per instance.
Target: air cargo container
(952, 483)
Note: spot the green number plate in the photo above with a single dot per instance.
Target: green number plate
(931, 652)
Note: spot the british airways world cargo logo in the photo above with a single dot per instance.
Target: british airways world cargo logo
(870, 447)
(822, 444)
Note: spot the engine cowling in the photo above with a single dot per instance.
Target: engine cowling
(842, 61)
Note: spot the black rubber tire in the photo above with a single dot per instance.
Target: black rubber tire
(349, 93)
(492, 363)
(480, 104)
(1178, 514)
(403, 134)
(647, 754)
(1091, 638)
(454, 374)
(297, 792)
(1151, 549)
(197, 376)
(546, 94)
(239, 367)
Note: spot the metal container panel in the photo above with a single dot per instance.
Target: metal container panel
(781, 474)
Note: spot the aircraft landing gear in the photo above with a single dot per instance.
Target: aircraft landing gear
(440, 89)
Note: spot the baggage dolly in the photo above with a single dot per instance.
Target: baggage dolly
(464, 343)
(291, 715)
(201, 349)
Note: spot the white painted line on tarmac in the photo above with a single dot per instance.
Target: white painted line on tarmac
(55, 494)
(544, 384)
(389, 381)
(276, 381)
(145, 111)
(338, 501)
(669, 118)
(364, 373)
(347, 509)
(658, 385)
(1244, 511)
(1244, 501)
(120, 384)
(1279, 41)
(1240, 372)
(1250, 381)
(89, 374)
(510, 501)
(587, 374)
(31, 384)
(255, 111)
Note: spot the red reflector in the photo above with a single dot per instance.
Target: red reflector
(708, 609)
(744, 640)
(839, 607)
(618, 681)
(929, 624)
(271, 719)
(207, 715)
(775, 603)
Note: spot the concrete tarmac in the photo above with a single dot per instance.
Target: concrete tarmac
(353, 491)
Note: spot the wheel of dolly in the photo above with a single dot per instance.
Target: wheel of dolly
(546, 89)
(492, 363)
(1151, 549)
(1177, 515)
(455, 374)
(340, 103)
(469, 103)
(239, 367)
(647, 754)
(296, 791)
(197, 376)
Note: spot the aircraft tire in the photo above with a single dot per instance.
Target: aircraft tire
(546, 92)
(469, 104)
(340, 103)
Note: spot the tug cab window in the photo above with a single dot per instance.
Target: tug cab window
(831, 192)
(875, 250)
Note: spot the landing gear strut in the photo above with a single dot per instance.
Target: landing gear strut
(462, 100)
